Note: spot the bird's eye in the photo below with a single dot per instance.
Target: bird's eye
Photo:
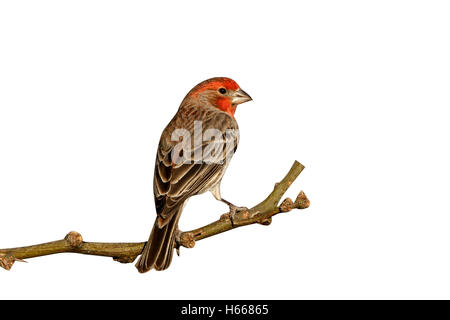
(223, 90)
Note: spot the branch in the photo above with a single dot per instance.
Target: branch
(262, 213)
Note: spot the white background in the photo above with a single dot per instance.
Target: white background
(357, 91)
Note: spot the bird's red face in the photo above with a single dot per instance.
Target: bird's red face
(222, 93)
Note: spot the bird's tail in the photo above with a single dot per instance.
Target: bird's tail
(158, 251)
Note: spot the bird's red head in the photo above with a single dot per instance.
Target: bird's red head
(222, 93)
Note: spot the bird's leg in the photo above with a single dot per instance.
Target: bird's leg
(233, 209)
(177, 241)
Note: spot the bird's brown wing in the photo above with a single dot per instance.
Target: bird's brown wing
(174, 182)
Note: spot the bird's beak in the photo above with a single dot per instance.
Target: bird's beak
(240, 96)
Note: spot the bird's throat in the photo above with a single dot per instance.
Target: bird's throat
(225, 105)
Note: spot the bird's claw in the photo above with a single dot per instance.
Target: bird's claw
(235, 210)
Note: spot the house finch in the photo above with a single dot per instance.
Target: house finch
(193, 153)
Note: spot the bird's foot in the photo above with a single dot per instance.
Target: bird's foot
(235, 210)
(183, 239)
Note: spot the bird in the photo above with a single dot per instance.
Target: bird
(193, 154)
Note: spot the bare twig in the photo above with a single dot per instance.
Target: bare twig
(262, 213)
